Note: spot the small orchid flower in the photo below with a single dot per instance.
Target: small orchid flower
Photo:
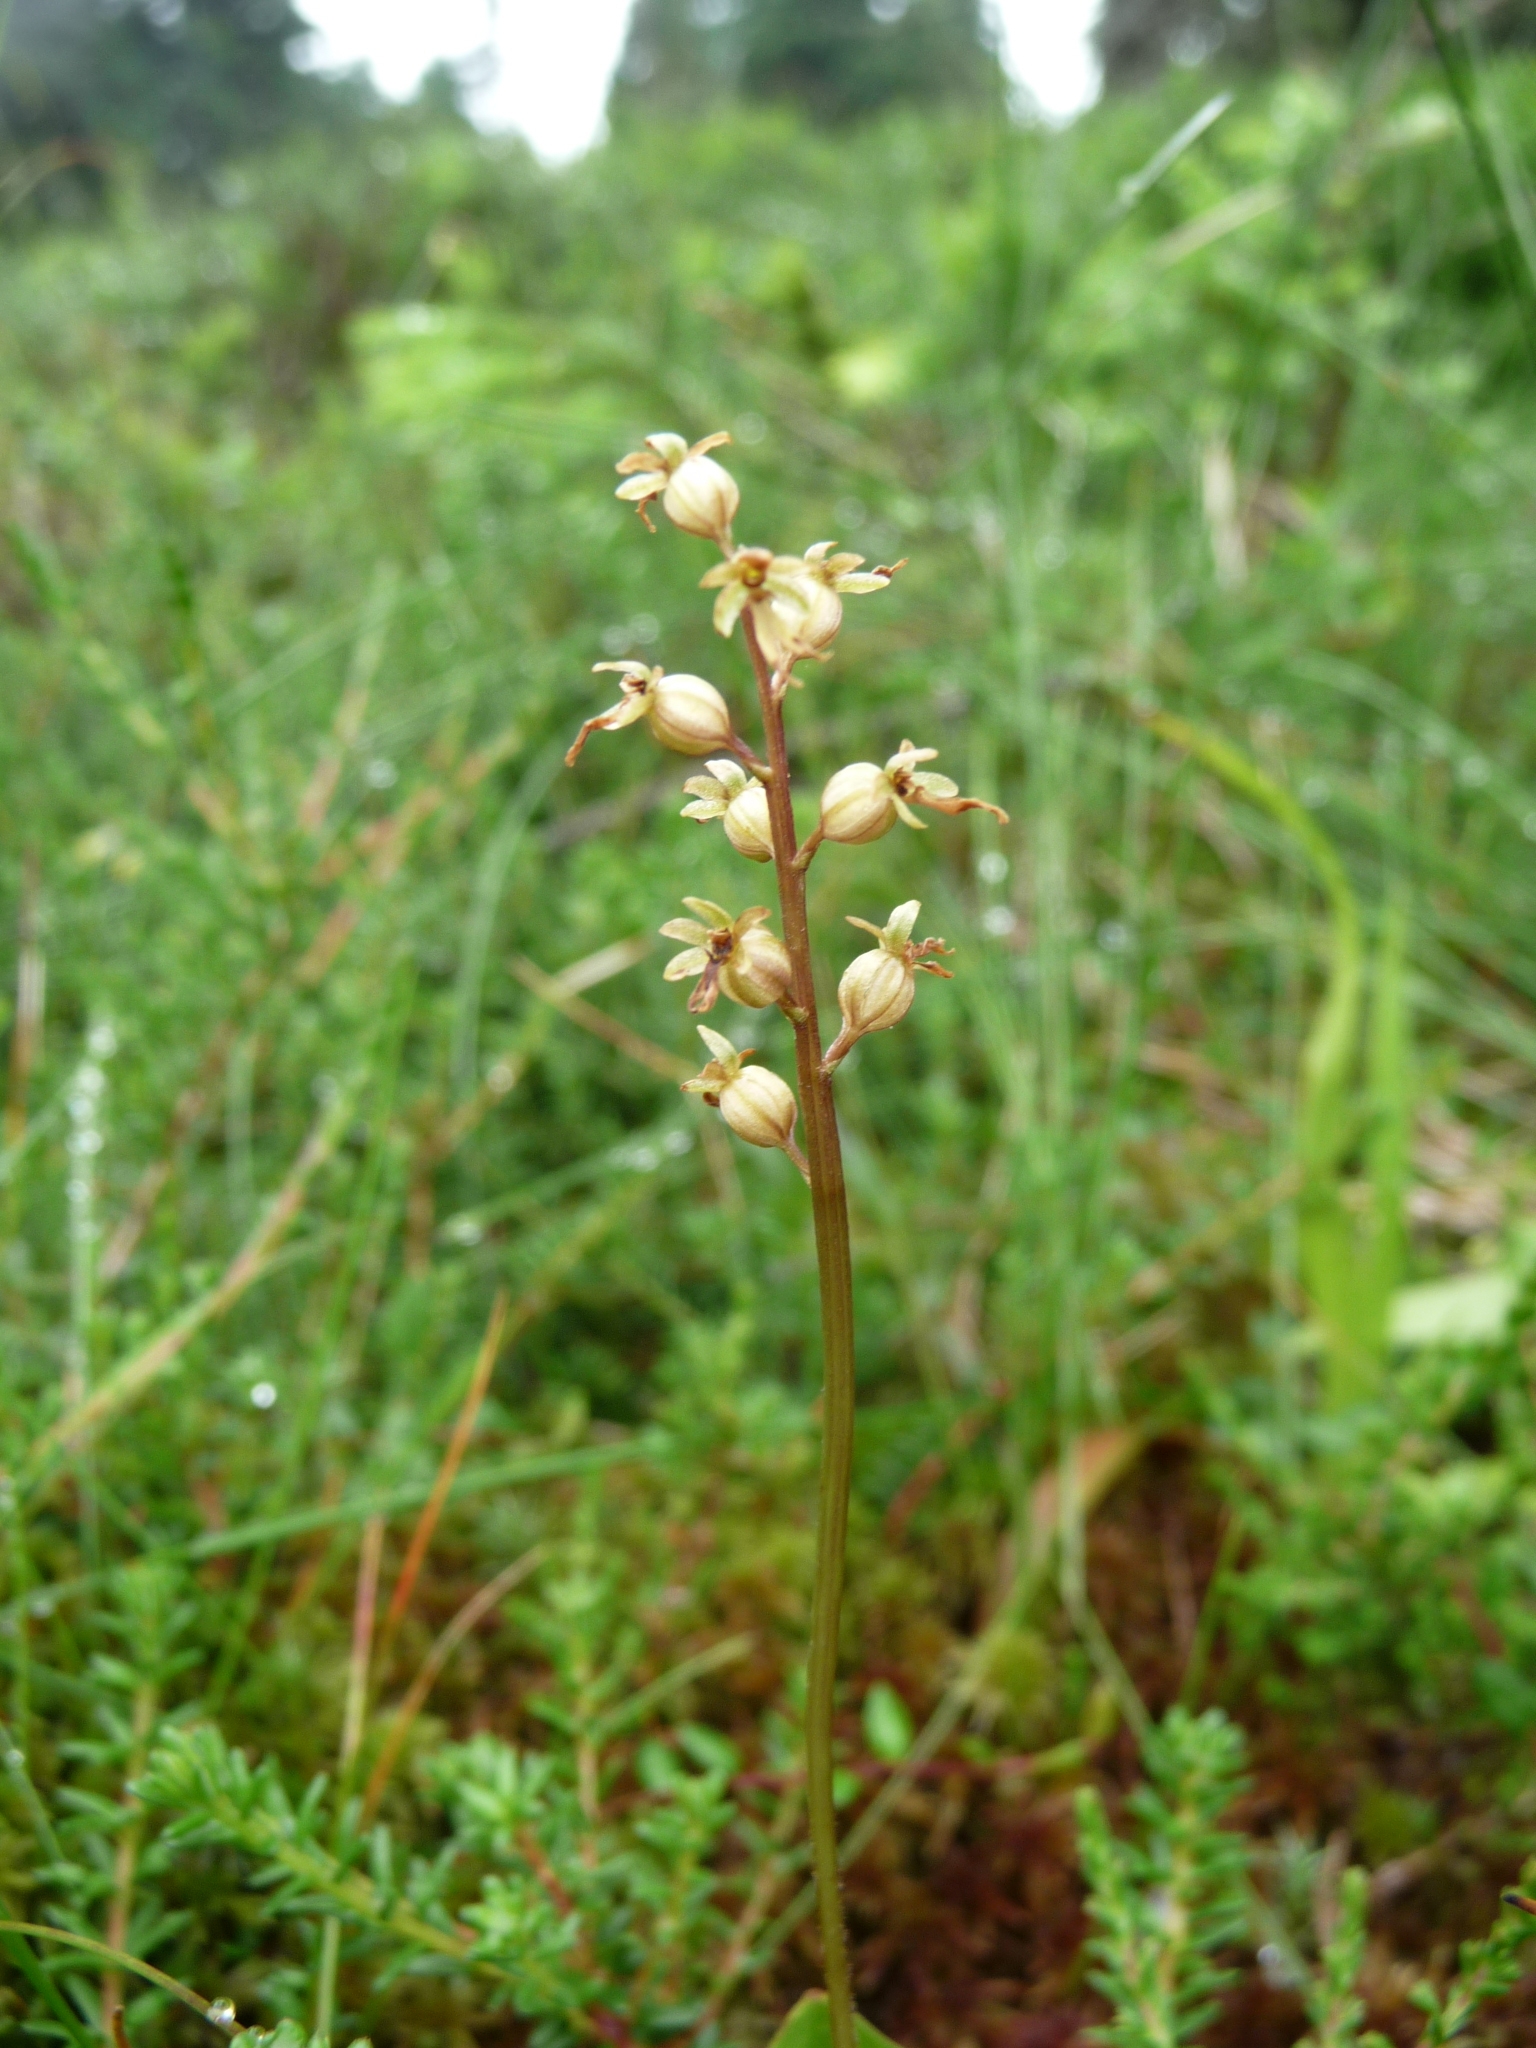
(729, 793)
(730, 956)
(804, 618)
(757, 1105)
(695, 492)
(754, 576)
(862, 802)
(686, 714)
(877, 988)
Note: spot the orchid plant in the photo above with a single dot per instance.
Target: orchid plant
(790, 609)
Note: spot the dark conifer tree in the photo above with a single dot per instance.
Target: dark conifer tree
(835, 58)
(189, 82)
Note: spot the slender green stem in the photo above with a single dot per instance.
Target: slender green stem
(829, 1210)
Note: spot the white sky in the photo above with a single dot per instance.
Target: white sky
(555, 56)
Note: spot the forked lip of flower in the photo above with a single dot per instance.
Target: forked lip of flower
(841, 572)
(635, 687)
(896, 938)
(909, 784)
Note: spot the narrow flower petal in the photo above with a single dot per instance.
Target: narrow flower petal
(672, 448)
(728, 608)
(683, 966)
(902, 918)
(632, 671)
(685, 929)
(713, 915)
(613, 720)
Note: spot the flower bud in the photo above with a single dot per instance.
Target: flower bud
(747, 825)
(876, 989)
(739, 801)
(875, 992)
(802, 620)
(759, 1107)
(857, 805)
(756, 1104)
(731, 956)
(696, 493)
(702, 498)
(758, 971)
(862, 802)
(689, 715)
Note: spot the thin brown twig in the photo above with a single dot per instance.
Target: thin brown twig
(364, 1607)
(557, 992)
(478, 1605)
(645, 1051)
(125, 1860)
(353, 1720)
(447, 1471)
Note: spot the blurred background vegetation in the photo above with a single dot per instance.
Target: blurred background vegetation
(1195, 1220)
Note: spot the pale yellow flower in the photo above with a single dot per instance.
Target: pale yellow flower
(684, 712)
(730, 956)
(876, 990)
(862, 802)
(806, 612)
(757, 1105)
(739, 800)
(695, 492)
(752, 576)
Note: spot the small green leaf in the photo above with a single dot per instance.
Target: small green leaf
(810, 2026)
(887, 1724)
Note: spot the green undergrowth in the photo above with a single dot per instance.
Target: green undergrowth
(1214, 466)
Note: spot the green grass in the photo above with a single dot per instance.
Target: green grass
(1216, 490)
